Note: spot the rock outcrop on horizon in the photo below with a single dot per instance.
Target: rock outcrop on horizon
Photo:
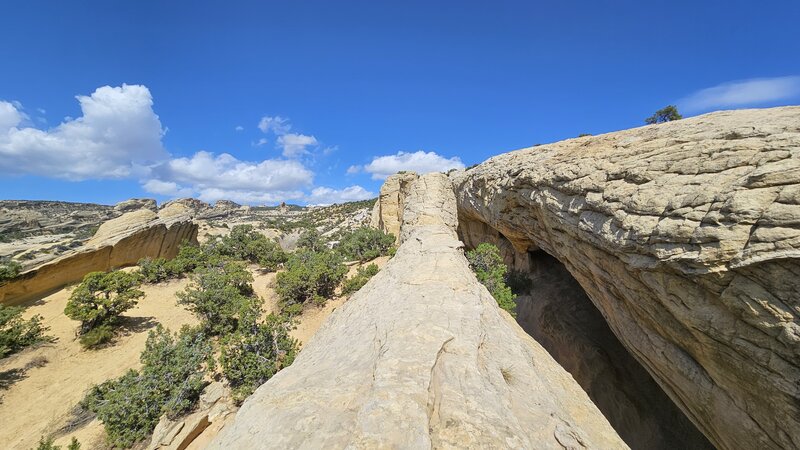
(119, 242)
(686, 237)
(421, 357)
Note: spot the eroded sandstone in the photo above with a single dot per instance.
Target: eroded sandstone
(119, 242)
(686, 236)
(421, 357)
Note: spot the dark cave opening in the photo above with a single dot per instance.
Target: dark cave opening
(558, 314)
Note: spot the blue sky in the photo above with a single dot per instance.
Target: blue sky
(103, 101)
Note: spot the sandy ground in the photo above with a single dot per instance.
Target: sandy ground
(41, 400)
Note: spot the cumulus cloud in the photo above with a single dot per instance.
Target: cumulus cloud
(419, 161)
(753, 92)
(117, 136)
(354, 169)
(239, 128)
(214, 177)
(328, 196)
(277, 124)
(167, 188)
(295, 145)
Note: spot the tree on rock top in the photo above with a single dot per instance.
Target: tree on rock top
(665, 114)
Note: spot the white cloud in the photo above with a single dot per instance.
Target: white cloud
(753, 92)
(117, 136)
(225, 177)
(419, 161)
(354, 169)
(328, 196)
(277, 124)
(245, 197)
(204, 170)
(167, 188)
(261, 142)
(295, 145)
(239, 128)
(10, 116)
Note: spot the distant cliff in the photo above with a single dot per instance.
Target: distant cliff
(117, 243)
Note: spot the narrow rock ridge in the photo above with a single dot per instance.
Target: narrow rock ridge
(686, 236)
(421, 357)
(119, 242)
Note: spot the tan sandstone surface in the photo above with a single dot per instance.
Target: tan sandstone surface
(421, 357)
(686, 237)
(119, 242)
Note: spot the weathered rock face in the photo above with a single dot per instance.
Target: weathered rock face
(135, 204)
(421, 357)
(686, 237)
(31, 217)
(118, 242)
(556, 312)
(226, 204)
(387, 214)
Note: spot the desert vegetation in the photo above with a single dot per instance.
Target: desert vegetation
(235, 340)
(169, 382)
(486, 262)
(17, 333)
(99, 301)
(665, 114)
(357, 281)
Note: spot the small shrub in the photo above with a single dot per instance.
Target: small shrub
(220, 296)
(9, 270)
(47, 444)
(169, 382)
(256, 352)
(247, 244)
(271, 256)
(358, 280)
(490, 270)
(365, 244)
(101, 298)
(310, 276)
(98, 336)
(158, 270)
(311, 240)
(17, 333)
(154, 270)
(665, 114)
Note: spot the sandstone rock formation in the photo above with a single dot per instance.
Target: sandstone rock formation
(135, 204)
(686, 237)
(226, 204)
(118, 242)
(213, 409)
(388, 210)
(31, 217)
(421, 357)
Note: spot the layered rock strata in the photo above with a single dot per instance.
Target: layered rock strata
(421, 357)
(117, 243)
(686, 237)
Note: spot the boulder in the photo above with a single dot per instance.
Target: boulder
(421, 357)
(686, 237)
